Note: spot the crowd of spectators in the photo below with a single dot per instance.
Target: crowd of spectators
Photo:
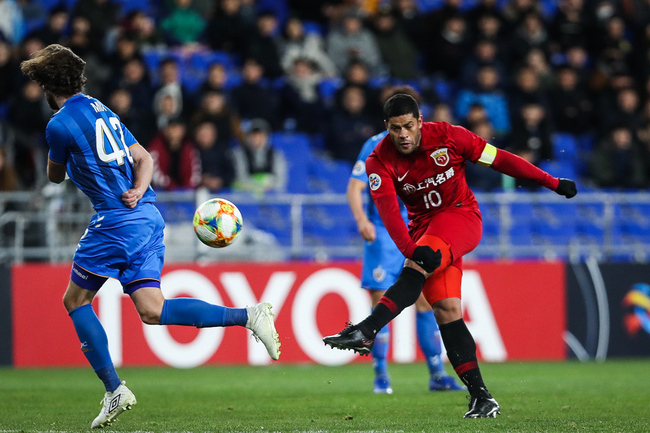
(204, 84)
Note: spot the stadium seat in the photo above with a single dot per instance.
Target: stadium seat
(329, 176)
(565, 147)
(202, 60)
(555, 223)
(297, 151)
(559, 168)
(590, 222)
(313, 27)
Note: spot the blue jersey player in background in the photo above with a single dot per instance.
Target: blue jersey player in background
(382, 264)
(124, 239)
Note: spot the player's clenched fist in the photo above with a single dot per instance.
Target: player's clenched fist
(567, 188)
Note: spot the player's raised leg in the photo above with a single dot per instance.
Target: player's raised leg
(154, 309)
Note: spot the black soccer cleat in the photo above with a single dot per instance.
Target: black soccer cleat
(351, 338)
(483, 405)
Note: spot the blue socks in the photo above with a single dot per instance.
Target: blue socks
(94, 345)
(429, 339)
(380, 352)
(194, 312)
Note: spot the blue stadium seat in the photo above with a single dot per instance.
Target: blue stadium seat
(633, 221)
(329, 176)
(297, 151)
(329, 224)
(590, 221)
(274, 219)
(202, 60)
(313, 27)
(176, 212)
(559, 168)
(133, 5)
(565, 147)
(555, 222)
(491, 219)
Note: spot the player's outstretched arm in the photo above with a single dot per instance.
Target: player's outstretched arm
(143, 169)
(517, 167)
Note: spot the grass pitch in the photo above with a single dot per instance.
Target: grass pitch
(612, 396)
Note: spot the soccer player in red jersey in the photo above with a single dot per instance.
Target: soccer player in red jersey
(424, 164)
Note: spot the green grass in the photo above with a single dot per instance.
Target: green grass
(535, 397)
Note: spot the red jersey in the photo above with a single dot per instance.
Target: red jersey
(433, 178)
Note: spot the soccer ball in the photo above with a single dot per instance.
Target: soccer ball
(217, 222)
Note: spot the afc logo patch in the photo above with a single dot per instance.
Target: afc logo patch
(375, 181)
(440, 156)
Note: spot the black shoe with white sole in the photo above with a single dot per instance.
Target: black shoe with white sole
(483, 405)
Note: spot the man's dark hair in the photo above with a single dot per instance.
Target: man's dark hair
(57, 69)
(399, 105)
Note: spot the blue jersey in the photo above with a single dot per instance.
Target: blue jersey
(359, 173)
(382, 260)
(94, 145)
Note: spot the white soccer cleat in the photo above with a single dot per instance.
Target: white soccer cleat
(260, 321)
(114, 403)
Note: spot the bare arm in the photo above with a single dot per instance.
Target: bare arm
(143, 168)
(55, 171)
(355, 201)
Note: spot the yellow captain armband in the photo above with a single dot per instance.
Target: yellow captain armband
(488, 155)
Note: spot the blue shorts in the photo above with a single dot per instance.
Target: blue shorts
(125, 244)
(382, 261)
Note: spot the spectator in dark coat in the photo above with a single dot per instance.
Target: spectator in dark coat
(571, 106)
(618, 161)
(301, 100)
(251, 99)
(228, 29)
(217, 171)
(53, 32)
(350, 126)
(102, 15)
(398, 53)
(263, 45)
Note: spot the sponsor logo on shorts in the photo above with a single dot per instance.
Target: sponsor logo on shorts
(375, 181)
(440, 156)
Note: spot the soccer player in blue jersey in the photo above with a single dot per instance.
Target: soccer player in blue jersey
(124, 239)
(382, 264)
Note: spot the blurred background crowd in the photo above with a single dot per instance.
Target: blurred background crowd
(219, 91)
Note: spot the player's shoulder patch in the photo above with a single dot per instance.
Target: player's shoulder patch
(375, 181)
(359, 168)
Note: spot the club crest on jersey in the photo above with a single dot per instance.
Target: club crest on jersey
(440, 156)
(409, 189)
(375, 181)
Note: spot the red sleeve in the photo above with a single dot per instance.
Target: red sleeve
(389, 212)
(517, 167)
(382, 190)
